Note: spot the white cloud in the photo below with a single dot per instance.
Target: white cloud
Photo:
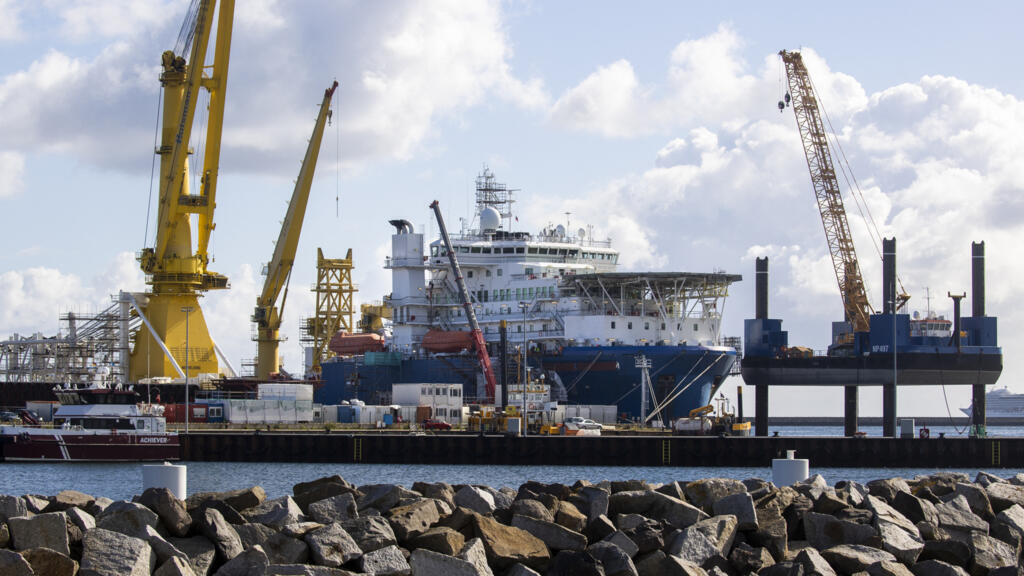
(86, 19)
(10, 20)
(32, 299)
(12, 172)
(939, 163)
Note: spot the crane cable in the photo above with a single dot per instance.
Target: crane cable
(152, 165)
(337, 156)
(856, 193)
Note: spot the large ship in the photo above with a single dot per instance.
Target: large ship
(586, 327)
(1000, 403)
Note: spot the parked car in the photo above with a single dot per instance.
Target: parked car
(431, 424)
(8, 416)
(582, 423)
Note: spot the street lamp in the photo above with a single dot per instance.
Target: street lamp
(526, 375)
(187, 310)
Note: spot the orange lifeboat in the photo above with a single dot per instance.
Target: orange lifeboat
(447, 341)
(346, 344)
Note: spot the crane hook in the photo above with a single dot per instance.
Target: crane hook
(788, 98)
(782, 106)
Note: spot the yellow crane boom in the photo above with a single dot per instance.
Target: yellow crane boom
(826, 190)
(267, 315)
(176, 273)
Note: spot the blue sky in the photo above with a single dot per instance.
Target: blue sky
(653, 121)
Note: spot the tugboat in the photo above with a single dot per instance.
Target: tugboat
(95, 424)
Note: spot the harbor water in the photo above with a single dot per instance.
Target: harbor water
(121, 481)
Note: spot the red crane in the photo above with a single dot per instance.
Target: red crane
(474, 327)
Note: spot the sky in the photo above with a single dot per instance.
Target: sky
(654, 122)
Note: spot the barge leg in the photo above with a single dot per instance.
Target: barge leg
(978, 406)
(889, 410)
(761, 409)
(851, 411)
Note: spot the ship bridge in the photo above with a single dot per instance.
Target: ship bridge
(670, 294)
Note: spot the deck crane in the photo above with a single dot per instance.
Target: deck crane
(176, 273)
(267, 315)
(826, 190)
(474, 327)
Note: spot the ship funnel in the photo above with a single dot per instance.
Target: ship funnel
(978, 279)
(402, 226)
(761, 288)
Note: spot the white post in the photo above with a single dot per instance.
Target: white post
(643, 363)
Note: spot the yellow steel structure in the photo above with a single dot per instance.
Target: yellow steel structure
(268, 315)
(334, 312)
(176, 273)
(826, 190)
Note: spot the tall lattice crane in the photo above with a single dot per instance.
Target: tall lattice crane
(268, 314)
(826, 190)
(176, 273)
(467, 303)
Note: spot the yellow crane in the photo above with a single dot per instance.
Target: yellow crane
(176, 273)
(268, 315)
(826, 190)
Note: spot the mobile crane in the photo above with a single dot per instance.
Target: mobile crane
(176, 273)
(826, 189)
(267, 315)
(467, 303)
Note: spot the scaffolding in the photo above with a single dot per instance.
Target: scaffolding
(88, 348)
(334, 309)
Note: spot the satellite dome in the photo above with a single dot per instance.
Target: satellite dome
(560, 231)
(490, 220)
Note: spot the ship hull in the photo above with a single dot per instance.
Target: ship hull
(597, 375)
(65, 446)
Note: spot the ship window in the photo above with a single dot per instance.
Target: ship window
(140, 424)
(629, 325)
(574, 253)
(694, 327)
(528, 271)
(531, 251)
(563, 252)
(613, 324)
(519, 250)
(469, 274)
(433, 250)
(464, 249)
(488, 274)
(475, 249)
(647, 325)
(500, 272)
(519, 328)
(662, 325)
(487, 250)
(508, 250)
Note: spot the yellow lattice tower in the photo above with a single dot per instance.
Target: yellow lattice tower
(334, 310)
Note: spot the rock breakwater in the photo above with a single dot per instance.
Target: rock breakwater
(941, 524)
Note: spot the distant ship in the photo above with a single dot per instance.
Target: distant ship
(559, 291)
(1000, 403)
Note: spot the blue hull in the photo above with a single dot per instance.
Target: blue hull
(605, 375)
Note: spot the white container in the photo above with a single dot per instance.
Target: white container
(789, 470)
(174, 477)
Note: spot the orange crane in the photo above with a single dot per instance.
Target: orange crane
(478, 336)
(826, 190)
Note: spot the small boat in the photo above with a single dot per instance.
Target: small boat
(95, 425)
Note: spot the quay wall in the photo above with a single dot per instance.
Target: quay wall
(263, 446)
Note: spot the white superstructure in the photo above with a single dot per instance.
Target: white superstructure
(1001, 403)
(560, 288)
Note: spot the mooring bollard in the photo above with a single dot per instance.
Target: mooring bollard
(174, 477)
(789, 470)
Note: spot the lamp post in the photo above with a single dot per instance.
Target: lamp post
(187, 310)
(526, 374)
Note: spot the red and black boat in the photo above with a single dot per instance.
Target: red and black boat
(94, 425)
